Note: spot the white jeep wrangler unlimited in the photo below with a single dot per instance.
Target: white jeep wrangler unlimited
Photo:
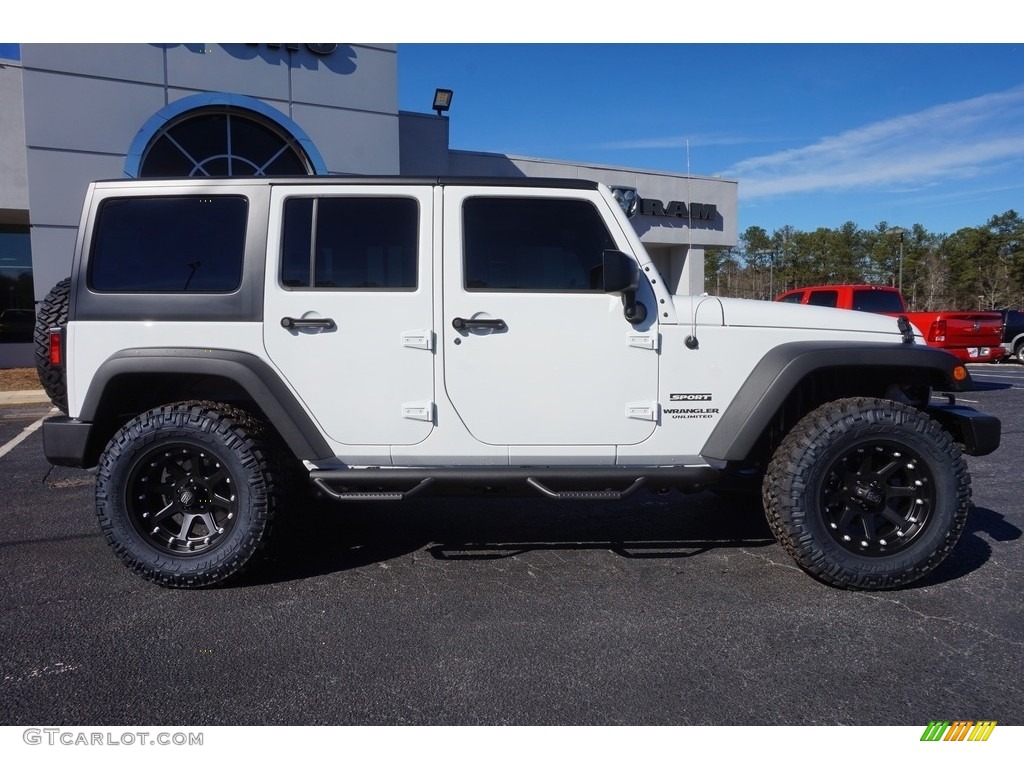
(391, 337)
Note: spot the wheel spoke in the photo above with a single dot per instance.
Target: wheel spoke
(187, 521)
(221, 502)
(870, 528)
(195, 461)
(864, 467)
(175, 471)
(164, 513)
(218, 476)
(846, 518)
(894, 517)
(887, 471)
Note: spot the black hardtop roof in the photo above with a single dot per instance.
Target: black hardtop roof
(444, 181)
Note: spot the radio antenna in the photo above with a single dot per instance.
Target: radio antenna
(689, 215)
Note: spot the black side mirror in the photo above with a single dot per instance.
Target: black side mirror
(621, 274)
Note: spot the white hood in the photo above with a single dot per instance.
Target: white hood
(713, 310)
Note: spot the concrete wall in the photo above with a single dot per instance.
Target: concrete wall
(13, 185)
(13, 168)
(423, 144)
(85, 104)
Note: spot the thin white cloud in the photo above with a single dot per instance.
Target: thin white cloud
(958, 140)
(677, 142)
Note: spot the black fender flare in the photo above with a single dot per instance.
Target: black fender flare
(783, 367)
(261, 382)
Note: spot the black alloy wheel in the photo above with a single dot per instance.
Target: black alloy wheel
(186, 494)
(182, 498)
(877, 498)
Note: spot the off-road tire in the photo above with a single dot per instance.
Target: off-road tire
(186, 494)
(867, 493)
(52, 313)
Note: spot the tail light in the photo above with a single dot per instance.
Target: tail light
(56, 347)
(937, 333)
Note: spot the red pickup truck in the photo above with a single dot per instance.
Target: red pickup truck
(974, 337)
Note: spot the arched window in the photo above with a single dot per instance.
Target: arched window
(223, 141)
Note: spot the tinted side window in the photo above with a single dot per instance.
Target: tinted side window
(877, 301)
(169, 244)
(823, 298)
(533, 244)
(359, 243)
(793, 298)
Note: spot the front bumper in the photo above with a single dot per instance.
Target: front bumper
(978, 432)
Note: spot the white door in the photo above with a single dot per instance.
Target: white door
(348, 311)
(534, 353)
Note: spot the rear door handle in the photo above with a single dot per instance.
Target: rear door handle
(463, 324)
(291, 323)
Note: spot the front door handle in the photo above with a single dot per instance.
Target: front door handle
(292, 323)
(463, 324)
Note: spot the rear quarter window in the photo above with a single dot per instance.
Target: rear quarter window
(824, 298)
(186, 244)
(877, 301)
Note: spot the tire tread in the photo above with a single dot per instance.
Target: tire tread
(238, 432)
(786, 489)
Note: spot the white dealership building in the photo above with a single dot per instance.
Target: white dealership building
(73, 113)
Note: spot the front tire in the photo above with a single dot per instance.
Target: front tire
(186, 494)
(867, 494)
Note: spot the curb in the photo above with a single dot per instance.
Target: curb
(24, 397)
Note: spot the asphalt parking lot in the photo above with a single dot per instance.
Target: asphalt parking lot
(670, 609)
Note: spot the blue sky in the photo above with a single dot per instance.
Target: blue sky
(816, 135)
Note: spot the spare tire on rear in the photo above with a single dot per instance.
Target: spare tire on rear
(52, 313)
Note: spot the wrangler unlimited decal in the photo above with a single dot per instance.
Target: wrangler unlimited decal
(692, 413)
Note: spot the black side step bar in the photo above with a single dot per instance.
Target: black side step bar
(601, 483)
(587, 495)
(323, 485)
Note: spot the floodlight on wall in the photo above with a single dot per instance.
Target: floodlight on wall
(442, 100)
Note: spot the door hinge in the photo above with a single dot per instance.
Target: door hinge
(642, 411)
(645, 341)
(423, 411)
(418, 340)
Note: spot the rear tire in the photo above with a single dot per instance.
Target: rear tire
(52, 313)
(867, 494)
(186, 494)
